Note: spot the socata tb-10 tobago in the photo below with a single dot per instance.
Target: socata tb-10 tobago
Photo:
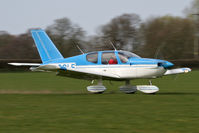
(109, 65)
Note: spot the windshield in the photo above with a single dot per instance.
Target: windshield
(128, 54)
(125, 55)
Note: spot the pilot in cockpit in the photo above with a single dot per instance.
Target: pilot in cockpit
(112, 60)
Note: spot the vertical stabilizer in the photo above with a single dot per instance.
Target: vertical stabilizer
(47, 50)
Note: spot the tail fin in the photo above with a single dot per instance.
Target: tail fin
(45, 46)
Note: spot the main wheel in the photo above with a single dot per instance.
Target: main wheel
(96, 89)
(128, 89)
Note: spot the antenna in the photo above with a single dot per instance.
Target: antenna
(113, 45)
(79, 49)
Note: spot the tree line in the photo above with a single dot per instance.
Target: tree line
(164, 37)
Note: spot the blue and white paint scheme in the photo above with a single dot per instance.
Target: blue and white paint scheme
(96, 65)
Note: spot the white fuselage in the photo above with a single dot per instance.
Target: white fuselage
(115, 71)
(127, 71)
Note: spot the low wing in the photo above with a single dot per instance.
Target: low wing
(177, 71)
(69, 71)
(103, 74)
(86, 75)
(25, 64)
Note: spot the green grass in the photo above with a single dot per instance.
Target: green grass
(66, 106)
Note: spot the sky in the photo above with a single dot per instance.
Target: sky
(17, 16)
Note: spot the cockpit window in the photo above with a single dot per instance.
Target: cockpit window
(109, 58)
(92, 57)
(124, 56)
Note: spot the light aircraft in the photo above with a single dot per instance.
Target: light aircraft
(115, 65)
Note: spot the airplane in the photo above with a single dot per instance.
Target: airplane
(116, 65)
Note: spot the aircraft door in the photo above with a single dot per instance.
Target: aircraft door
(109, 58)
(123, 58)
(128, 69)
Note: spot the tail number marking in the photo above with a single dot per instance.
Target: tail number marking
(66, 66)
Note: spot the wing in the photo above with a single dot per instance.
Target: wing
(25, 64)
(85, 75)
(177, 71)
(70, 72)
(76, 72)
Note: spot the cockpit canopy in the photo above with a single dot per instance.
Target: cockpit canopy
(128, 54)
(111, 57)
(125, 55)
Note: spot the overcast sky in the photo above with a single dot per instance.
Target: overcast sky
(16, 16)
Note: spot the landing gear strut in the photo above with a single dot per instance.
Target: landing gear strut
(150, 82)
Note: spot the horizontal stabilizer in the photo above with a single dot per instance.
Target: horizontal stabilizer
(177, 71)
(24, 64)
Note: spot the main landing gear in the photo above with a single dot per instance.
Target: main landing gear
(97, 89)
(127, 88)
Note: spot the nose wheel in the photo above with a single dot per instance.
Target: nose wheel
(148, 89)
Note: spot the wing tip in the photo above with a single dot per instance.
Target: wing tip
(14, 64)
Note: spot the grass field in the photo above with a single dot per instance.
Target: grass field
(44, 103)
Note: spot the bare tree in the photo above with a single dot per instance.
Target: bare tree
(66, 35)
(122, 31)
(192, 9)
(171, 36)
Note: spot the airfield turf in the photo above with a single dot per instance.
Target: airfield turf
(45, 103)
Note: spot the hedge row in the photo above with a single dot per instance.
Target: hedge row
(5, 66)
